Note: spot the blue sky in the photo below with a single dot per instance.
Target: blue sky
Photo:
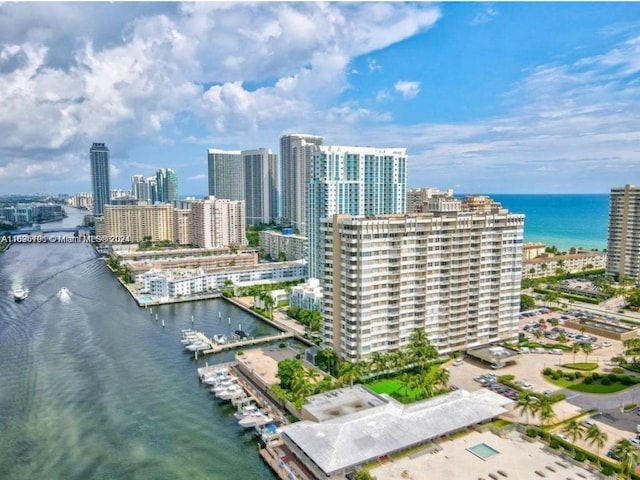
(487, 97)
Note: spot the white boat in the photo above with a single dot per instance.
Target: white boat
(197, 346)
(255, 420)
(220, 339)
(230, 392)
(268, 432)
(246, 410)
(64, 292)
(19, 294)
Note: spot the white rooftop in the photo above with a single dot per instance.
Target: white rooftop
(350, 440)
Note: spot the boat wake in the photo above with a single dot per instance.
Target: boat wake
(64, 294)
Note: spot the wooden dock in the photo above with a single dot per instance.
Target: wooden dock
(217, 348)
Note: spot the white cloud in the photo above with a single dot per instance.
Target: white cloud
(485, 14)
(407, 89)
(373, 65)
(200, 176)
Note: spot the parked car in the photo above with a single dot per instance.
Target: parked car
(606, 344)
(587, 423)
(556, 351)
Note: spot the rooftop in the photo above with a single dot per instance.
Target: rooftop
(356, 438)
(337, 403)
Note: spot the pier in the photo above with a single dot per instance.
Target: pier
(217, 347)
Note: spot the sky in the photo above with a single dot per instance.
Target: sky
(487, 97)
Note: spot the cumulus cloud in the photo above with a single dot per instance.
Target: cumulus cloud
(407, 89)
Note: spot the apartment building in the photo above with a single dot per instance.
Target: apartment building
(135, 222)
(277, 244)
(574, 262)
(454, 274)
(182, 225)
(261, 185)
(355, 181)
(623, 247)
(217, 223)
(226, 174)
(418, 198)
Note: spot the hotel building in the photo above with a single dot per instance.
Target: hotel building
(454, 273)
(217, 223)
(226, 174)
(295, 158)
(355, 181)
(623, 248)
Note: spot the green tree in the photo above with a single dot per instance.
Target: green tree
(315, 321)
(527, 302)
(287, 369)
(326, 359)
(527, 404)
(377, 363)
(546, 411)
(562, 338)
(574, 431)
(628, 456)
(420, 350)
(598, 437)
(575, 348)
(349, 372)
(551, 297)
(633, 297)
(586, 348)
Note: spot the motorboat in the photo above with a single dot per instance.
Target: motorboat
(241, 334)
(64, 292)
(197, 346)
(230, 391)
(268, 432)
(220, 339)
(255, 420)
(19, 294)
(246, 410)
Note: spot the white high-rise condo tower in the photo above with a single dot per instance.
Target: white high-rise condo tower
(352, 180)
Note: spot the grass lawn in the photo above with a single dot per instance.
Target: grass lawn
(394, 388)
(581, 366)
(578, 386)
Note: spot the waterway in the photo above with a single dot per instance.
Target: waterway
(93, 387)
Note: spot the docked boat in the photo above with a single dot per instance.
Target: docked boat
(255, 420)
(230, 392)
(220, 339)
(250, 409)
(268, 432)
(241, 334)
(19, 294)
(197, 346)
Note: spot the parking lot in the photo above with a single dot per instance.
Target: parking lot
(473, 374)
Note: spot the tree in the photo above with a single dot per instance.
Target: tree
(546, 411)
(574, 431)
(633, 297)
(551, 297)
(587, 348)
(562, 338)
(315, 321)
(628, 456)
(575, 348)
(287, 369)
(420, 350)
(408, 383)
(349, 372)
(527, 404)
(441, 378)
(326, 359)
(377, 363)
(527, 302)
(598, 437)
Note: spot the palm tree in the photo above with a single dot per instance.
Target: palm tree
(441, 377)
(587, 348)
(628, 455)
(377, 363)
(574, 431)
(562, 338)
(408, 383)
(597, 436)
(575, 348)
(527, 403)
(349, 372)
(426, 383)
(545, 408)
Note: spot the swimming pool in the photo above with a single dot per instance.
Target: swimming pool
(483, 451)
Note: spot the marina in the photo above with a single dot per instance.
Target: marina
(203, 345)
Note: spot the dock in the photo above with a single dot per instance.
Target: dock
(217, 347)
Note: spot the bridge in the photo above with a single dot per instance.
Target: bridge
(39, 229)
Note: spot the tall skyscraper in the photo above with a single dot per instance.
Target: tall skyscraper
(217, 223)
(261, 175)
(140, 188)
(453, 272)
(153, 190)
(352, 180)
(226, 174)
(167, 185)
(295, 162)
(99, 155)
(623, 248)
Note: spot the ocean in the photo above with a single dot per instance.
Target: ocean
(571, 220)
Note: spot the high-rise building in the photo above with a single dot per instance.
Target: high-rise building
(454, 274)
(261, 185)
(153, 190)
(623, 248)
(134, 223)
(226, 174)
(99, 155)
(352, 180)
(182, 226)
(166, 185)
(295, 162)
(140, 188)
(217, 223)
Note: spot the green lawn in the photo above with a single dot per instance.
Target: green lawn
(394, 388)
(578, 386)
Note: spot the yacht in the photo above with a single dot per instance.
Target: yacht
(230, 392)
(220, 339)
(19, 294)
(255, 420)
(246, 410)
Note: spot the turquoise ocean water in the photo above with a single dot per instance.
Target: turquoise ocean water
(575, 220)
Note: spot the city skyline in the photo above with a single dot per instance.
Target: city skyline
(487, 98)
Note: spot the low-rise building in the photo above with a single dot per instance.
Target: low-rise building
(282, 244)
(574, 262)
(307, 296)
(532, 250)
(185, 282)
